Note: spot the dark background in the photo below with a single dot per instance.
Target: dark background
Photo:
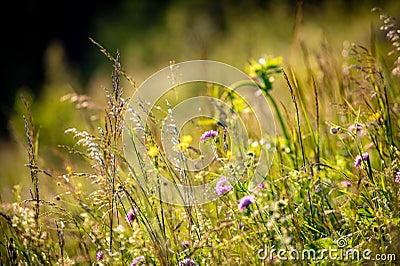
(29, 26)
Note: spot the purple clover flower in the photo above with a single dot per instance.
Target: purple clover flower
(359, 159)
(354, 128)
(246, 201)
(131, 215)
(357, 162)
(208, 134)
(187, 262)
(185, 244)
(397, 179)
(345, 183)
(261, 185)
(99, 255)
(223, 186)
(136, 260)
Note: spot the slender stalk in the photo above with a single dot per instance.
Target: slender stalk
(297, 117)
(282, 124)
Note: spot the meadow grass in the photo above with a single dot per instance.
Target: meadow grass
(333, 183)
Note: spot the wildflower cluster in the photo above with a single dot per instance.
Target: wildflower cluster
(318, 186)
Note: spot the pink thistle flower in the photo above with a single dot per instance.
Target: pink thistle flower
(208, 134)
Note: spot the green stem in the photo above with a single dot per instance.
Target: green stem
(278, 113)
(236, 85)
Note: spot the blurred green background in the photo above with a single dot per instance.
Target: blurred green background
(47, 53)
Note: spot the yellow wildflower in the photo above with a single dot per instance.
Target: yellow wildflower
(185, 142)
(375, 117)
(153, 151)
